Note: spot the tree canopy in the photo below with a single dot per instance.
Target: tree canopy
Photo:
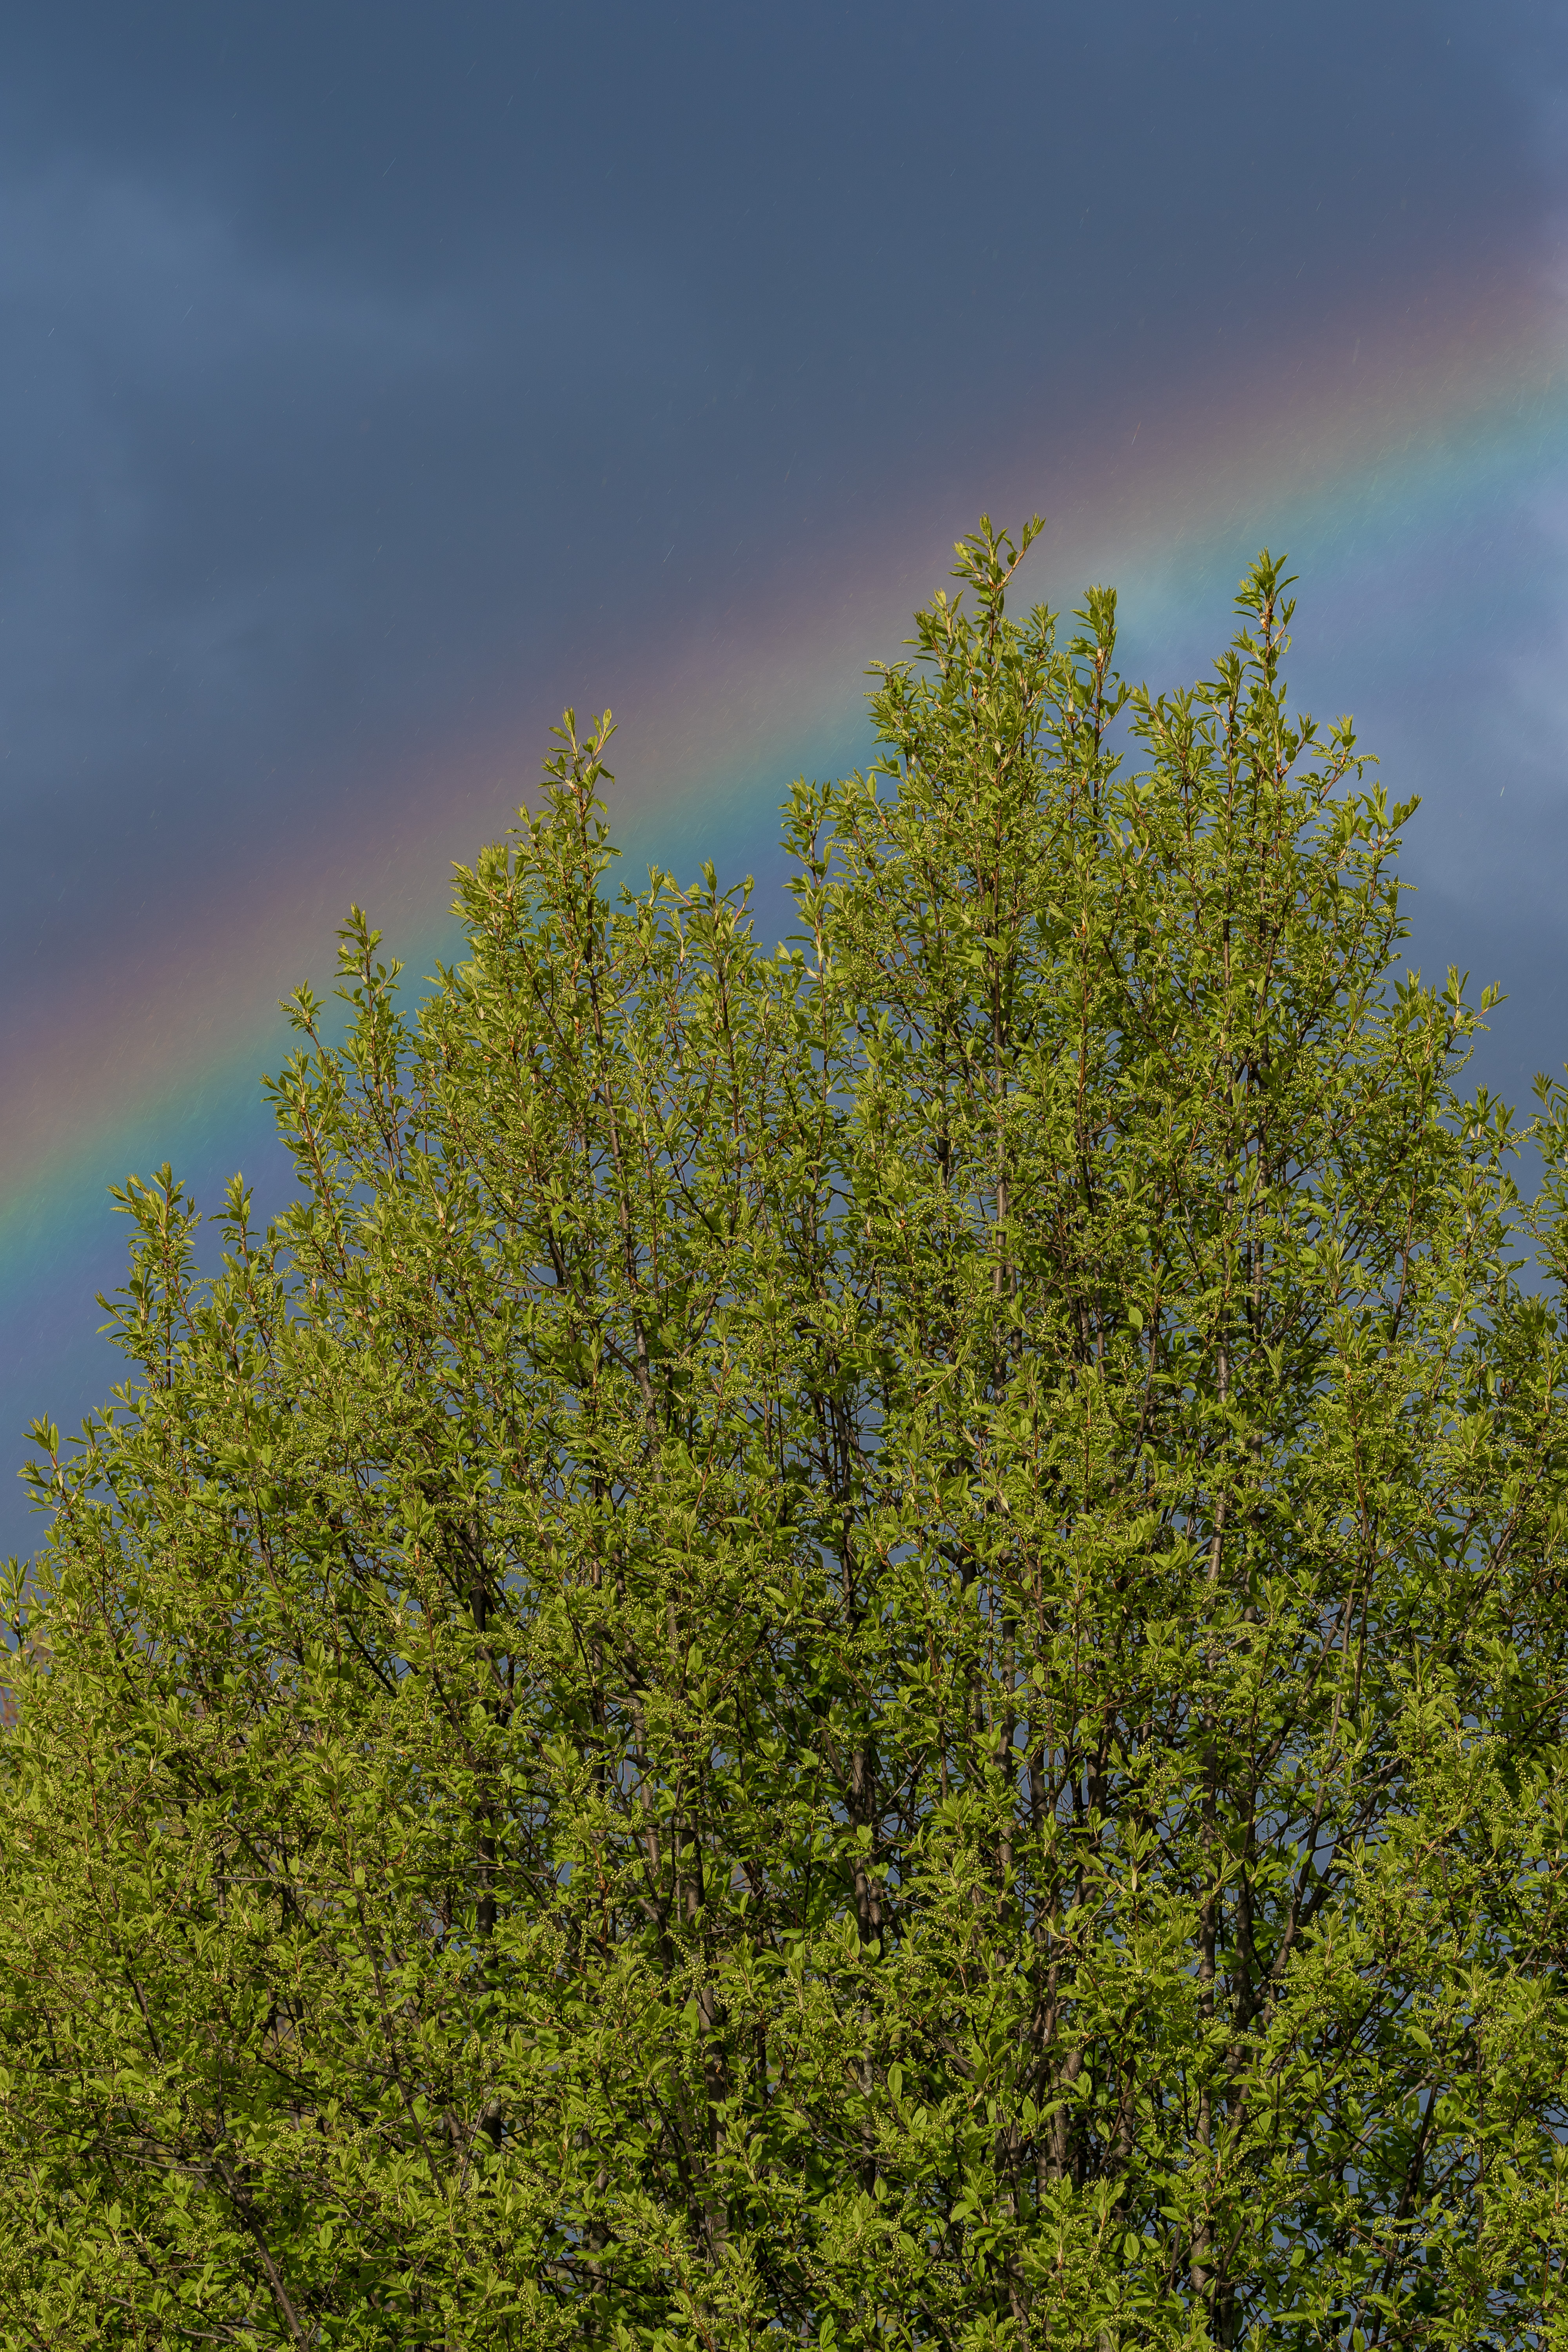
(861, 1646)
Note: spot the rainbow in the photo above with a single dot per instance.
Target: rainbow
(1394, 423)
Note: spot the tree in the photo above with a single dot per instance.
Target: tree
(860, 1646)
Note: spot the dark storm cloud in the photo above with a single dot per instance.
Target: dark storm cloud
(358, 353)
(242, 490)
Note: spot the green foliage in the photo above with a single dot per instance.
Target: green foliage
(862, 1647)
